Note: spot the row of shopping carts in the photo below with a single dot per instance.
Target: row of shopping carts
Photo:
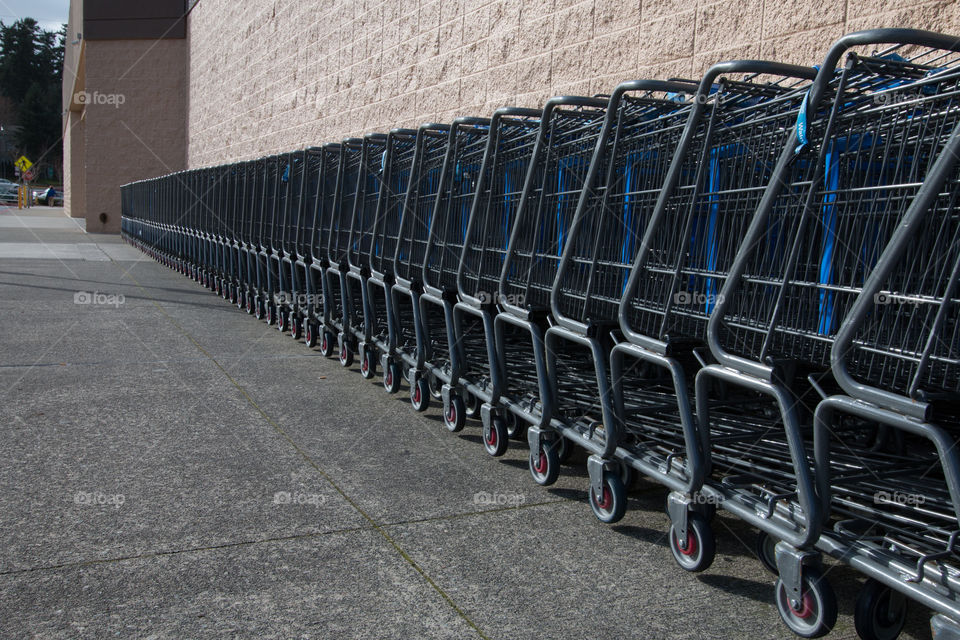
(745, 288)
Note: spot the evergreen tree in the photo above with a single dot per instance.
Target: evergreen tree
(31, 70)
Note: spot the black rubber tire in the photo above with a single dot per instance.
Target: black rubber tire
(455, 414)
(765, 548)
(472, 404)
(819, 606)
(310, 334)
(613, 505)
(516, 428)
(392, 378)
(495, 438)
(368, 363)
(544, 464)
(701, 545)
(346, 354)
(880, 612)
(328, 343)
(420, 394)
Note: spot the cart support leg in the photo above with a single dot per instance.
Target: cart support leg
(595, 467)
(678, 508)
(790, 563)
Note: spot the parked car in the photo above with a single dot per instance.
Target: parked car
(8, 193)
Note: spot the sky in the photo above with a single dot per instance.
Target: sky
(49, 13)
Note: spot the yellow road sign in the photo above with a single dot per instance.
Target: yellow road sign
(23, 163)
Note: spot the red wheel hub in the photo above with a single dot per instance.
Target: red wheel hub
(606, 502)
(452, 414)
(806, 606)
(541, 465)
(389, 378)
(416, 394)
(690, 549)
(365, 365)
(492, 437)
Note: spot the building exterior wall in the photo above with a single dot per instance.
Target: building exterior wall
(272, 76)
(73, 165)
(124, 102)
(141, 137)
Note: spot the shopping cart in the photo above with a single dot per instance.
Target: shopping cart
(506, 159)
(210, 224)
(263, 178)
(356, 331)
(193, 227)
(279, 196)
(397, 162)
(217, 181)
(246, 242)
(336, 305)
(888, 474)
(406, 339)
(723, 159)
(302, 285)
(317, 258)
(291, 192)
(569, 129)
(643, 125)
(843, 183)
(233, 224)
(442, 355)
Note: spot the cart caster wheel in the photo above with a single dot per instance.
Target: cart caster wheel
(435, 386)
(271, 315)
(625, 471)
(545, 465)
(495, 438)
(701, 546)
(391, 378)
(296, 327)
(565, 450)
(368, 363)
(248, 303)
(310, 334)
(327, 344)
(816, 612)
(346, 355)
(880, 612)
(282, 321)
(258, 309)
(420, 395)
(454, 417)
(766, 550)
(472, 405)
(516, 430)
(612, 505)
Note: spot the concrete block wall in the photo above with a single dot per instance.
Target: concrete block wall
(285, 74)
(140, 137)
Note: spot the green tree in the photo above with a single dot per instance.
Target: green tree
(31, 70)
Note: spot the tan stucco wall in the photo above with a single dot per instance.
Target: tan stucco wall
(271, 76)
